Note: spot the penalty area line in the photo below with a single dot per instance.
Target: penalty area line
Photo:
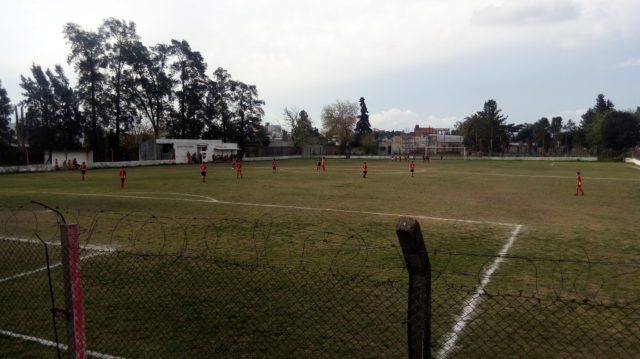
(50, 343)
(55, 265)
(303, 208)
(473, 301)
(103, 250)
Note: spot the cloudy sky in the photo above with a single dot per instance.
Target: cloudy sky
(425, 62)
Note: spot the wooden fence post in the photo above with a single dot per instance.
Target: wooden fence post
(74, 300)
(419, 301)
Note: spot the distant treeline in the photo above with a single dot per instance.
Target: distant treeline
(603, 131)
(124, 86)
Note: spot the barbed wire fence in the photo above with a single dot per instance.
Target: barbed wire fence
(157, 286)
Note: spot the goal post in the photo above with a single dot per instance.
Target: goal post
(457, 152)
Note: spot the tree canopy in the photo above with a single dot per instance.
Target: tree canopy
(486, 130)
(338, 120)
(121, 83)
(5, 112)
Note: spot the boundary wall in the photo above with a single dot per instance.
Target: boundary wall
(632, 160)
(49, 167)
(498, 158)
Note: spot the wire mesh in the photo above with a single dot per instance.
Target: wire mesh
(231, 287)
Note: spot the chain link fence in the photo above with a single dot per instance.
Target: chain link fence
(190, 287)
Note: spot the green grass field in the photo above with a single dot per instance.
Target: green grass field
(568, 247)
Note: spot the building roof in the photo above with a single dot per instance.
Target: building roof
(423, 131)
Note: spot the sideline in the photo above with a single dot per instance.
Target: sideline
(469, 310)
(49, 343)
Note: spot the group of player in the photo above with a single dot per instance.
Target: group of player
(236, 165)
(321, 166)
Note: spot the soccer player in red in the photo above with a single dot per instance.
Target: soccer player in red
(274, 165)
(324, 164)
(364, 169)
(238, 169)
(203, 172)
(412, 167)
(123, 176)
(83, 169)
(579, 184)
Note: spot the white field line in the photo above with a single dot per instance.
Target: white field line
(302, 208)
(634, 167)
(468, 312)
(58, 264)
(35, 241)
(385, 171)
(539, 176)
(102, 251)
(472, 302)
(105, 250)
(53, 344)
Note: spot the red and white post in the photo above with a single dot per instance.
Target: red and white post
(74, 299)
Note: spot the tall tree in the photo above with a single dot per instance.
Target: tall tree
(248, 114)
(486, 130)
(302, 130)
(152, 84)
(541, 133)
(191, 84)
(602, 106)
(5, 116)
(525, 135)
(554, 130)
(67, 115)
(41, 110)
(220, 98)
(338, 120)
(87, 55)
(620, 130)
(572, 135)
(495, 122)
(120, 39)
(363, 126)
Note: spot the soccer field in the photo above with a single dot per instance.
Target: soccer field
(496, 226)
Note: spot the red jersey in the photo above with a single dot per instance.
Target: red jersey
(123, 173)
(364, 167)
(83, 167)
(274, 163)
(238, 166)
(579, 180)
(412, 166)
(203, 167)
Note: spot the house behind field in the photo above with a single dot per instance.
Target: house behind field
(177, 149)
(427, 140)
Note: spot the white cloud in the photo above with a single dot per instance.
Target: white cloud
(394, 119)
(574, 115)
(630, 63)
(519, 13)
(293, 50)
(441, 122)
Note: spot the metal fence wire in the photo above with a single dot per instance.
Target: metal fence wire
(200, 294)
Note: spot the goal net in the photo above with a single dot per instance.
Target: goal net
(437, 153)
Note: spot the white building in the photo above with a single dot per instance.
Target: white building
(427, 140)
(177, 149)
(274, 131)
